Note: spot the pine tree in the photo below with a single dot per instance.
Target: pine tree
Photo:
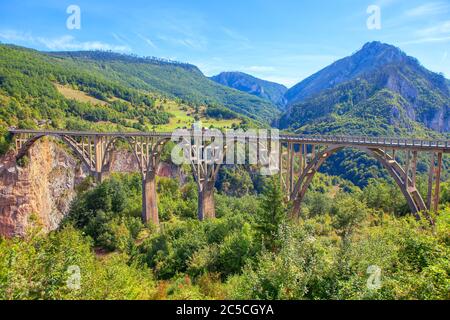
(271, 214)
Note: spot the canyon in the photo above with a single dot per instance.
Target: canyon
(39, 191)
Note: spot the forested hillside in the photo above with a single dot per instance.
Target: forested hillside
(176, 80)
(354, 224)
(377, 91)
(105, 91)
(271, 91)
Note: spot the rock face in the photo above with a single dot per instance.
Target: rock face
(44, 188)
(380, 83)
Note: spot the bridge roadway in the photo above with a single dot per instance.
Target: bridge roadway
(365, 141)
(299, 158)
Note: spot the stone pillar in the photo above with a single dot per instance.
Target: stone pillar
(206, 209)
(296, 209)
(98, 159)
(102, 176)
(437, 188)
(149, 199)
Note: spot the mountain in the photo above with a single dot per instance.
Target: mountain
(379, 90)
(103, 91)
(271, 91)
(174, 79)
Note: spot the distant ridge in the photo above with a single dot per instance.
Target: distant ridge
(107, 55)
(268, 90)
(379, 89)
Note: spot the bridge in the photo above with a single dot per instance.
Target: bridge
(295, 158)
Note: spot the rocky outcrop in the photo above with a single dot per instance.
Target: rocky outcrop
(40, 192)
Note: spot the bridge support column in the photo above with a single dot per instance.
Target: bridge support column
(101, 176)
(149, 199)
(101, 173)
(206, 209)
(437, 188)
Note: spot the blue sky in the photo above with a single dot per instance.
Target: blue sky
(283, 41)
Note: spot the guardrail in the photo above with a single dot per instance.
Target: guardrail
(406, 142)
(300, 138)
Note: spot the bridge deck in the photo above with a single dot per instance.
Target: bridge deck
(380, 142)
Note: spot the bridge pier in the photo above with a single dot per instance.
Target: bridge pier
(94, 149)
(149, 199)
(101, 176)
(206, 209)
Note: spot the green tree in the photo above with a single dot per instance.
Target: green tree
(272, 214)
(348, 213)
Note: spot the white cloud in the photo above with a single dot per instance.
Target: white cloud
(191, 43)
(69, 43)
(65, 42)
(427, 40)
(431, 8)
(120, 39)
(149, 42)
(259, 69)
(442, 28)
(234, 35)
(12, 35)
(286, 81)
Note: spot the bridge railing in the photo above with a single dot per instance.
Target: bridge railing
(408, 142)
(365, 140)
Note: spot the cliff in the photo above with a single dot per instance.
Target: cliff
(43, 189)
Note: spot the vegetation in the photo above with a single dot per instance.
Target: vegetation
(271, 91)
(174, 80)
(253, 250)
(354, 239)
(59, 92)
(378, 91)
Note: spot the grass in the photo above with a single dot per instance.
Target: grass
(78, 95)
(182, 116)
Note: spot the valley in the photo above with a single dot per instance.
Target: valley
(56, 213)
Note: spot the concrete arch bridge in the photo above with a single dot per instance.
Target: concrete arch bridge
(295, 158)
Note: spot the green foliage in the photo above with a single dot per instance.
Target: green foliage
(5, 140)
(295, 272)
(220, 113)
(234, 181)
(23, 162)
(249, 252)
(445, 192)
(272, 213)
(110, 213)
(175, 80)
(38, 268)
(175, 200)
(313, 264)
(385, 195)
(222, 245)
(348, 213)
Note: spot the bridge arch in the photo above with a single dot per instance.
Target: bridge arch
(404, 182)
(68, 140)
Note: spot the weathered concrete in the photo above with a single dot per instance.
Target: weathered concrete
(149, 200)
(206, 208)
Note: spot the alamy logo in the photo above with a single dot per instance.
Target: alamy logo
(374, 20)
(74, 20)
(74, 280)
(211, 146)
(374, 280)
